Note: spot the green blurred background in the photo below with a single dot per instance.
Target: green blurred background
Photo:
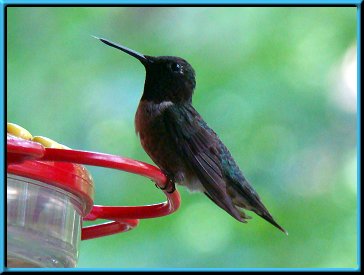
(277, 84)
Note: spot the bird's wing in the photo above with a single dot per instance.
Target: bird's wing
(200, 147)
(212, 163)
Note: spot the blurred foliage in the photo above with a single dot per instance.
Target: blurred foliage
(276, 84)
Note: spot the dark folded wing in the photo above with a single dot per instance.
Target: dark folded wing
(199, 146)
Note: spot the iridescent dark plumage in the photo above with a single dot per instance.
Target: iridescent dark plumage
(180, 142)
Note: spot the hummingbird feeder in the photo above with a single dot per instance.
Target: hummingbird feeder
(50, 193)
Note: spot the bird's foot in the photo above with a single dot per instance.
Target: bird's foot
(170, 186)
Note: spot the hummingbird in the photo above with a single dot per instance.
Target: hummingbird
(180, 142)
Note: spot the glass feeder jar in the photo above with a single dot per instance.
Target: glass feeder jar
(45, 205)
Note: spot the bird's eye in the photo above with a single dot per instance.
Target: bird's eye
(176, 67)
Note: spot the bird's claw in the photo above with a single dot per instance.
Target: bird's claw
(169, 187)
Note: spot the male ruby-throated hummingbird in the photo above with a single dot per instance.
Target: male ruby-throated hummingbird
(180, 142)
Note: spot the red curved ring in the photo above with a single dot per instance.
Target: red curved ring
(117, 213)
(108, 228)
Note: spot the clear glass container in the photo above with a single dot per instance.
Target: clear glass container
(43, 224)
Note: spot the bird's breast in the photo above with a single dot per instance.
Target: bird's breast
(148, 115)
(151, 129)
(155, 140)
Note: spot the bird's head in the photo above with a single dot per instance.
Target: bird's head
(168, 78)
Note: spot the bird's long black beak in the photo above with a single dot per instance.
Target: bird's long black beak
(143, 59)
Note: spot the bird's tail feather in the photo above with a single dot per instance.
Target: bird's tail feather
(246, 198)
(265, 215)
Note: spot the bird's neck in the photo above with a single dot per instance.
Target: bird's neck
(158, 91)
